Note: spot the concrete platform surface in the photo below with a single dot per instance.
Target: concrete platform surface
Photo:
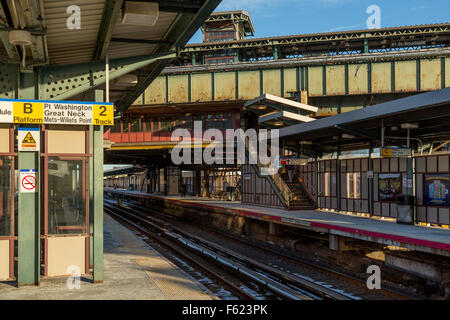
(132, 271)
(425, 239)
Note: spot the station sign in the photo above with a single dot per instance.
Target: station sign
(56, 112)
(28, 181)
(28, 139)
(395, 152)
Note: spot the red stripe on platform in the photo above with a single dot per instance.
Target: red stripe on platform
(420, 242)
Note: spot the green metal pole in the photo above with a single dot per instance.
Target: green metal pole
(28, 205)
(91, 195)
(98, 197)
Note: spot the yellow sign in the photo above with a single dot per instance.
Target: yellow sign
(386, 153)
(395, 152)
(103, 115)
(56, 112)
(28, 112)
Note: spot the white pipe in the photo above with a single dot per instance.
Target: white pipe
(107, 77)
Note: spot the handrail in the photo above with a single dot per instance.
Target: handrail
(307, 186)
(271, 182)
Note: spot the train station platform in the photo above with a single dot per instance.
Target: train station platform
(432, 240)
(132, 271)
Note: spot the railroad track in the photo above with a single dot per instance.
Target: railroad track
(345, 277)
(281, 283)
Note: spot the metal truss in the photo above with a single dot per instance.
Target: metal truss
(387, 39)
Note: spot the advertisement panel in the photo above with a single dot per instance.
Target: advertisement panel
(435, 190)
(389, 186)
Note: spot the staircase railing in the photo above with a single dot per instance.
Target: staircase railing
(281, 192)
(282, 186)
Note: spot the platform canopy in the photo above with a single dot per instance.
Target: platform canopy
(66, 43)
(426, 116)
(275, 111)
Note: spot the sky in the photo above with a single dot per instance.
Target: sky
(288, 17)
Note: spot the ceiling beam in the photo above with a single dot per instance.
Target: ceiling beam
(174, 6)
(143, 41)
(11, 50)
(357, 132)
(183, 28)
(110, 14)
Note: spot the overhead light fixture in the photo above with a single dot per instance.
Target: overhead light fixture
(347, 136)
(20, 38)
(140, 13)
(278, 123)
(409, 125)
(126, 80)
(262, 107)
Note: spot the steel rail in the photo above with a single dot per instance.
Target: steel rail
(310, 286)
(297, 260)
(273, 285)
(184, 256)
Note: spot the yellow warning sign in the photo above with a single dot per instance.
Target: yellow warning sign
(29, 139)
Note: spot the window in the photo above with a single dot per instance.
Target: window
(155, 124)
(227, 121)
(66, 201)
(125, 123)
(354, 185)
(5, 195)
(148, 125)
(211, 121)
(219, 121)
(327, 184)
(116, 126)
(166, 124)
(135, 125)
(216, 36)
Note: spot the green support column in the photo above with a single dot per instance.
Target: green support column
(366, 44)
(276, 53)
(91, 194)
(98, 197)
(28, 205)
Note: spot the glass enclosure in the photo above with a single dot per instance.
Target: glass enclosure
(66, 196)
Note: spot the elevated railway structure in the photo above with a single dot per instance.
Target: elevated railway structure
(336, 72)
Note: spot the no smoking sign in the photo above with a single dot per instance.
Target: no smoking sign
(28, 181)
